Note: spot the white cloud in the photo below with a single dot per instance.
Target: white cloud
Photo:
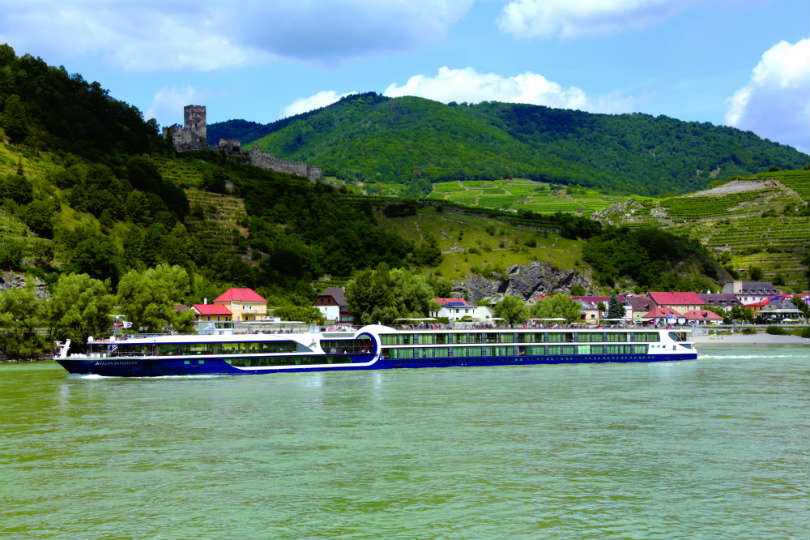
(571, 18)
(321, 99)
(468, 85)
(776, 101)
(207, 34)
(169, 102)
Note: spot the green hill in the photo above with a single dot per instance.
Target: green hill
(104, 208)
(412, 142)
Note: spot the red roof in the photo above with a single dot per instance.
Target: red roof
(703, 315)
(661, 313)
(450, 301)
(212, 309)
(235, 294)
(676, 298)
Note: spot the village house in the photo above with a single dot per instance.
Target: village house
(640, 305)
(212, 312)
(453, 308)
(750, 292)
(682, 302)
(662, 315)
(590, 312)
(244, 304)
(725, 301)
(703, 317)
(333, 305)
(778, 311)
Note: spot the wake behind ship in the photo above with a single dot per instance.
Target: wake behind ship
(372, 347)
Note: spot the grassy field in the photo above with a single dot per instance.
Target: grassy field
(479, 244)
(524, 195)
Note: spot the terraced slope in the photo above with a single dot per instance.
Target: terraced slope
(216, 220)
(758, 221)
(518, 194)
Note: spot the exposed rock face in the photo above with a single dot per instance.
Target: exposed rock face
(12, 280)
(522, 281)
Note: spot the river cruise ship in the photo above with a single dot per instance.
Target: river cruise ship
(372, 347)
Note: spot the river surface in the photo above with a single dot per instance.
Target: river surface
(713, 448)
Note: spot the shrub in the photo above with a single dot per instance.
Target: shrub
(748, 331)
(775, 330)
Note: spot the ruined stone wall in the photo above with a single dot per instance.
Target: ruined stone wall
(193, 136)
(270, 162)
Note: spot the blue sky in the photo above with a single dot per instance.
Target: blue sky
(744, 63)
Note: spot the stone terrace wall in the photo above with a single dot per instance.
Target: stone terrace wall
(268, 161)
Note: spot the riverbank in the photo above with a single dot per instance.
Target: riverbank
(760, 338)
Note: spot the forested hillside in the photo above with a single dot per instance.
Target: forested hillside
(413, 142)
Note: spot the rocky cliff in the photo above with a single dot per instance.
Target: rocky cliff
(522, 281)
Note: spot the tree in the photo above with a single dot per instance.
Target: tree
(17, 188)
(741, 313)
(755, 273)
(94, 254)
(15, 120)
(80, 306)
(383, 295)
(802, 306)
(307, 314)
(39, 217)
(559, 306)
(578, 290)
(615, 309)
(512, 309)
(412, 293)
(20, 317)
(148, 298)
(10, 254)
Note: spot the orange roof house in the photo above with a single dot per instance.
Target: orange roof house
(211, 312)
(682, 302)
(244, 304)
(704, 316)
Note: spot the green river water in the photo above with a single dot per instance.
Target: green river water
(713, 448)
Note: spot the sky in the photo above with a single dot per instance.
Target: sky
(741, 63)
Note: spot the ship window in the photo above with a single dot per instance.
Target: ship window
(347, 346)
(506, 337)
(615, 336)
(425, 339)
(554, 337)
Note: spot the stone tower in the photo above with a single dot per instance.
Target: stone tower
(194, 123)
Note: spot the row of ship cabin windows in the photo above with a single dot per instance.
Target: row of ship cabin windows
(518, 337)
(519, 350)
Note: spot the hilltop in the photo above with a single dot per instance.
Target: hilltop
(403, 145)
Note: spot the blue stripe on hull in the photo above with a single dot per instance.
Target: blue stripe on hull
(131, 367)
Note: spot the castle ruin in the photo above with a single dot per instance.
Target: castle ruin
(192, 136)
